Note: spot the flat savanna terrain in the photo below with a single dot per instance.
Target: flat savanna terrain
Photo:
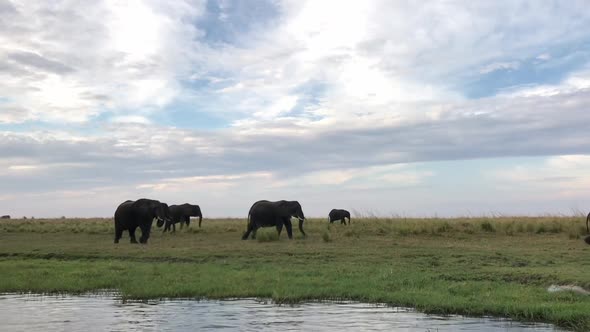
(475, 266)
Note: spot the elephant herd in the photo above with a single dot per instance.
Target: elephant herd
(131, 215)
(141, 213)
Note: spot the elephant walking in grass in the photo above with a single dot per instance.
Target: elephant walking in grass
(338, 214)
(141, 213)
(182, 214)
(278, 214)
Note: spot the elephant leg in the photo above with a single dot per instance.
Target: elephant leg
(301, 228)
(289, 228)
(342, 221)
(118, 234)
(166, 227)
(254, 230)
(279, 228)
(173, 227)
(132, 234)
(145, 234)
(248, 231)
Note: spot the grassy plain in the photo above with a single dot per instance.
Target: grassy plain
(475, 266)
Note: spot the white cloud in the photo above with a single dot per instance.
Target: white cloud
(492, 67)
(365, 67)
(94, 57)
(281, 106)
(575, 82)
(131, 119)
(205, 183)
(558, 177)
(316, 100)
(22, 167)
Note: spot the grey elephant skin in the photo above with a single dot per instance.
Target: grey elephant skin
(182, 214)
(140, 213)
(339, 214)
(278, 214)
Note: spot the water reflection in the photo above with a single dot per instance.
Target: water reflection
(109, 313)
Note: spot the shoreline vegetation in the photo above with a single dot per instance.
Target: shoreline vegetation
(477, 266)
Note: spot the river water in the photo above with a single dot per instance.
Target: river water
(107, 312)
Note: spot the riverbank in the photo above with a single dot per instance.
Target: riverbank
(478, 266)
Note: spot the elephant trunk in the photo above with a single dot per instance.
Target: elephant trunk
(301, 226)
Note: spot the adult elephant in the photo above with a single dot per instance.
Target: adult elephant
(141, 213)
(278, 214)
(182, 214)
(339, 214)
(5, 217)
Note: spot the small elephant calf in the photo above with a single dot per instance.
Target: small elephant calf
(338, 214)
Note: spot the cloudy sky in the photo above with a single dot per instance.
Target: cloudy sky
(414, 108)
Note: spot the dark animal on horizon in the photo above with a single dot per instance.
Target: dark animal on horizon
(278, 214)
(338, 214)
(182, 214)
(5, 217)
(141, 213)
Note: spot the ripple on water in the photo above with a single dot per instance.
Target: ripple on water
(106, 312)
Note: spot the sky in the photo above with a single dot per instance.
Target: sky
(389, 108)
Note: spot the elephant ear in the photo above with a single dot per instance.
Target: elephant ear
(164, 207)
(155, 206)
